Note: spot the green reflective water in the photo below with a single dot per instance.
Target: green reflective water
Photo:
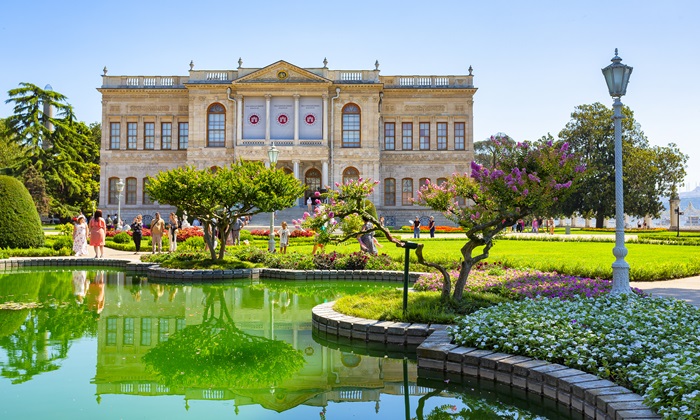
(102, 344)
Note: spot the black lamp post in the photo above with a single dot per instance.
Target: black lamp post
(679, 213)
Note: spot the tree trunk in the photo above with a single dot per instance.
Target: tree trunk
(599, 220)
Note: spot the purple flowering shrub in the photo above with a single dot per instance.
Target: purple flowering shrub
(523, 283)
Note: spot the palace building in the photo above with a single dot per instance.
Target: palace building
(329, 125)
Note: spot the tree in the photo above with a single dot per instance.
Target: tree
(20, 225)
(64, 151)
(485, 151)
(527, 179)
(10, 151)
(648, 173)
(218, 198)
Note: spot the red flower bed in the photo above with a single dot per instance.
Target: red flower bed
(296, 233)
(189, 232)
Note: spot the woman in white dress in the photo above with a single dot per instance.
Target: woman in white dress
(80, 230)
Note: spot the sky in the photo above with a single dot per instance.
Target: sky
(533, 62)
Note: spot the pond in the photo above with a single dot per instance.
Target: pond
(94, 343)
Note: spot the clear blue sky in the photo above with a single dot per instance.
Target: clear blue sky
(533, 61)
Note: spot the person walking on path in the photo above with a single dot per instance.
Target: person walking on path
(416, 227)
(80, 235)
(137, 232)
(157, 229)
(98, 231)
(173, 228)
(284, 238)
(535, 225)
(431, 226)
(236, 231)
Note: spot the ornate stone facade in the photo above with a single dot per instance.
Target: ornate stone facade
(329, 125)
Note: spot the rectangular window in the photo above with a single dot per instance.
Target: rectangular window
(163, 329)
(459, 136)
(130, 191)
(424, 136)
(351, 130)
(166, 136)
(180, 324)
(114, 134)
(389, 136)
(112, 191)
(112, 331)
(131, 133)
(128, 332)
(217, 134)
(146, 331)
(149, 135)
(407, 192)
(442, 136)
(390, 192)
(407, 136)
(146, 199)
(183, 135)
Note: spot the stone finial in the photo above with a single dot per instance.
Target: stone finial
(471, 70)
(376, 65)
(104, 71)
(325, 63)
(240, 62)
(191, 65)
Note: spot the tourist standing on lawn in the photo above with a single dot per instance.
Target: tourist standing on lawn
(98, 231)
(137, 232)
(157, 229)
(284, 238)
(80, 235)
(416, 227)
(173, 228)
(236, 231)
(431, 226)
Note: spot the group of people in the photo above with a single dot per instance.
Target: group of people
(93, 232)
(417, 224)
(536, 225)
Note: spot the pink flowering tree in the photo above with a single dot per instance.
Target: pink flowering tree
(527, 179)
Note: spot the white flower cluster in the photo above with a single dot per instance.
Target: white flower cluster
(650, 345)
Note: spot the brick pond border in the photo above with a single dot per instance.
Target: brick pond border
(588, 394)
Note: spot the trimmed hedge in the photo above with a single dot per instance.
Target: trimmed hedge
(20, 225)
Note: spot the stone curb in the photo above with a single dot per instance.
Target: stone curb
(596, 398)
(156, 272)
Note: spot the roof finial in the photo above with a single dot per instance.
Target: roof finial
(470, 70)
(104, 71)
(325, 63)
(376, 65)
(240, 62)
(191, 65)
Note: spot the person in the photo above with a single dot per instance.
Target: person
(381, 221)
(535, 225)
(80, 235)
(110, 222)
(196, 222)
(284, 238)
(173, 228)
(550, 224)
(308, 204)
(318, 245)
(157, 229)
(416, 227)
(431, 226)
(236, 231)
(137, 232)
(367, 240)
(80, 285)
(519, 226)
(95, 295)
(98, 230)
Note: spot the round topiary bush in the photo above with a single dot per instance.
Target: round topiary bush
(20, 225)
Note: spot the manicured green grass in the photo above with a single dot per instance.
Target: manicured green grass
(423, 307)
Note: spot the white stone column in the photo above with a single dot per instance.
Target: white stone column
(295, 166)
(296, 119)
(324, 175)
(267, 117)
(325, 118)
(239, 119)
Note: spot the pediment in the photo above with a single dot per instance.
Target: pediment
(282, 72)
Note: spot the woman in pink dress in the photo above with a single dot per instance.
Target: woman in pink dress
(98, 228)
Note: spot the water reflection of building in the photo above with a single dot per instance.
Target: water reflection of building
(137, 317)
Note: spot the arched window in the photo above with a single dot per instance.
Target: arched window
(216, 126)
(112, 191)
(351, 125)
(213, 169)
(390, 192)
(441, 181)
(312, 179)
(146, 199)
(407, 192)
(423, 181)
(287, 171)
(350, 174)
(130, 190)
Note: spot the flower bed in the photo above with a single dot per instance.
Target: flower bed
(648, 345)
(296, 233)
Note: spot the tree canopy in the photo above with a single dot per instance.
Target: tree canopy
(649, 173)
(218, 198)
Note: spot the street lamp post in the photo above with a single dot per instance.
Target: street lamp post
(617, 75)
(679, 213)
(120, 188)
(272, 154)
